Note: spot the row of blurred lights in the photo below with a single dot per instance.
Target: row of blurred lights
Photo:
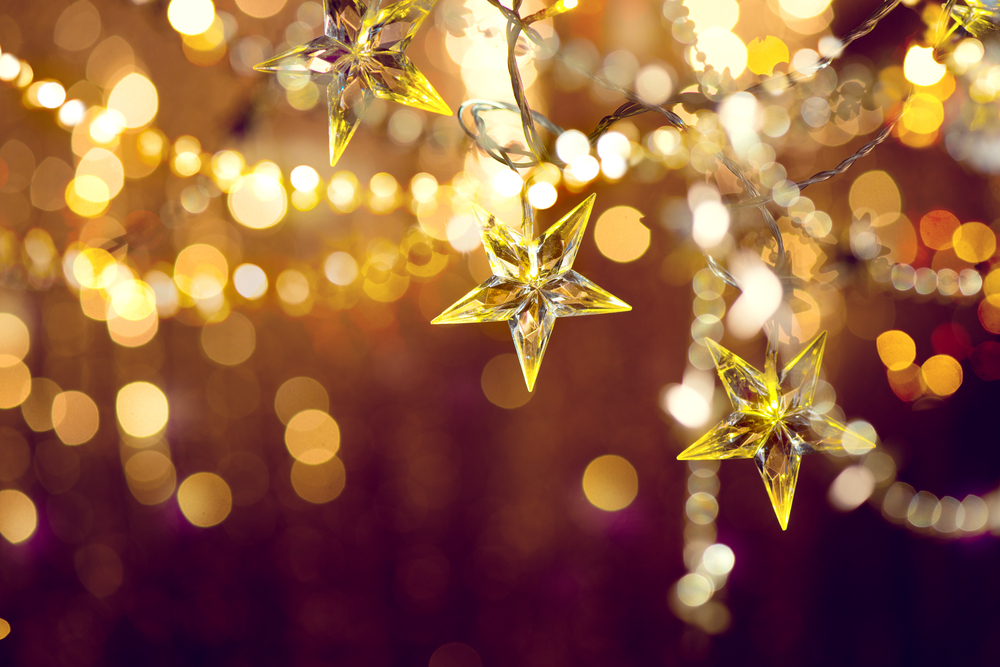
(312, 437)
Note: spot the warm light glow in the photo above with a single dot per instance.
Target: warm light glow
(299, 394)
(201, 271)
(51, 94)
(620, 234)
(258, 201)
(723, 50)
(142, 409)
(711, 223)
(18, 518)
(920, 68)
(75, 417)
(896, 349)
(852, 487)
(542, 195)
(943, 374)
(191, 17)
(312, 436)
(304, 178)
(205, 499)
(14, 337)
(319, 483)
(340, 268)
(610, 483)
(250, 281)
(135, 98)
(974, 242)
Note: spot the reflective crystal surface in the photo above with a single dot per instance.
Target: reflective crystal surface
(773, 421)
(359, 57)
(532, 284)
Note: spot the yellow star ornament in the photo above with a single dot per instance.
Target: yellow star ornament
(360, 57)
(532, 284)
(773, 421)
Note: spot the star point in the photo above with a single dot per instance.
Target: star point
(773, 419)
(533, 283)
(361, 57)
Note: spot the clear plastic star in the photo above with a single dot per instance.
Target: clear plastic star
(773, 421)
(360, 57)
(532, 284)
(978, 17)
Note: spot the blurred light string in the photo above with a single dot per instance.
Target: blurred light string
(538, 153)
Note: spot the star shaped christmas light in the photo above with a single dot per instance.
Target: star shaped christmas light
(773, 421)
(360, 57)
(532, 284)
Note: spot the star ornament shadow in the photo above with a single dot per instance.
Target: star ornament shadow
(360, 56)
(773, 420)
(532, 284)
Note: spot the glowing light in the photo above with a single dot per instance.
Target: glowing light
(507, 183)
(312, 436)
(299, 394)
(924, 114)
(764, 55)
(974, 242)
(710, 224)
(51, 94)
(852, 487)
(261, 9)
(620, 236)
(340, 269)
(687, 405)
(571, 145)
(875, 190)
(151, 477)
(694, 589)
(920, 68)
(14, 337)
(937, 229)
(292, 287)
(15, 381)
(142, 409)
(319, 483)
(75, 417)
(135, 98)
(191, 17)
(304, 178)
(200, 271)
(18, 518)
(250, 281)
(258, 201)
(943, 374)
(613, 146)
(205, 499)
(423, 187)
(761, 297)
(654, 84)
(610, 483)
(718, 559)
(542, 195)
(723, 50)
(133, 299)
(71, 113)
(804, 9)
(10, 67)
(896, 349)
